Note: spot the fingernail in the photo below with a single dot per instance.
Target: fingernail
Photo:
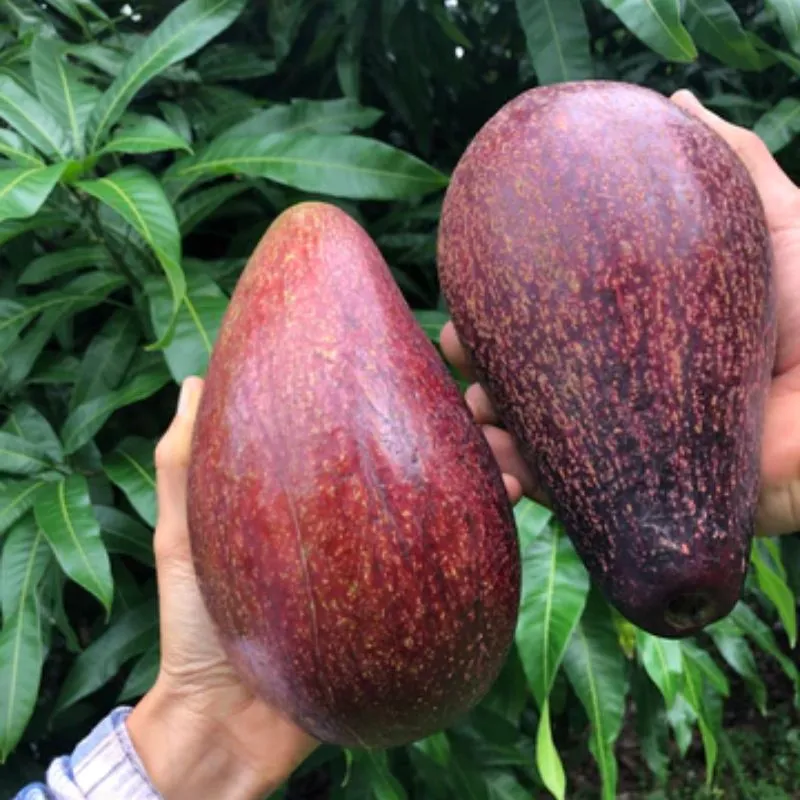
(185, 398)
(687, 96)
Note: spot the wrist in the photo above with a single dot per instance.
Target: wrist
(188, 755)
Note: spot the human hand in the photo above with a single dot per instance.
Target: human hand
(779, 504)
(199, 731)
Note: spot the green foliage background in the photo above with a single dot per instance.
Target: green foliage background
(142, 155)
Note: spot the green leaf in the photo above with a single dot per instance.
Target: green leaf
(192, 210)
(196, 327)
(183, 32)
(558, 39)
(706, 664)
(651, 724)
(44, 220)
(84, 292)
(60, 89)
(107, 358)
(595, 666)
(62, 262)
(87, 419)
(31, 119)
(343, 115)
(384, 785)
(18, 457)
(555, 586)
(16, 499)
(733, 647)
(23, 191)
(25, 557)
(131, 467)
(55, 368)
(662, 661)
(21, 658)
(226, 62)
(17, 149)
(717, 29)
(554, 590)
(658, 24)
(772, 581)
(139, 199)
(788, 12)
(748, 622)
(548, 762)
(337, 165)
(123, 534)
(142, 675)
(130, 635)
(19, 359)
(693, 691)
(63, 510)
(145, 135)
(52, 605)
(30, 424)
(778, 126)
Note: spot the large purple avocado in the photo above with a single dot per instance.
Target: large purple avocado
(607, 264)
(352, 536)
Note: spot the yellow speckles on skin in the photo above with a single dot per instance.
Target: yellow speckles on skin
(618, 302)
(329, 420)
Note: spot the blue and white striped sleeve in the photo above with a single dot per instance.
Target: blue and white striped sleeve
(104, 766)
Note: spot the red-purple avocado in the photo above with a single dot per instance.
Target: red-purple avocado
(352, 536)
(607, 264)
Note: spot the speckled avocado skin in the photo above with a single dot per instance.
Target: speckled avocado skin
(607, 264)
(351, 532)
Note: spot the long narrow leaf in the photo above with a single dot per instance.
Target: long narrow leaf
(595, 666)
(779, 126)
(63, 510)
(184, 31)
(18, 457)
(717, 29)
(139, 199)
(31, 119)
(131, 468)
(196, 326)
(25, 557)
(60, 89)
(145, 135)
(662, 661)
(132, 633)
(788, 12)
(23, 191)
(658, 24)
(337, 165)
(84, 422)
(107, 358)
(21, 658)
(554, 590)
(15, 148)
(16, 498)
(558, 39)
(125, 535)
(30, 424)
(62, 262)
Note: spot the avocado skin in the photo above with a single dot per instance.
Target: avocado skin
(608, 267)
(352, 536)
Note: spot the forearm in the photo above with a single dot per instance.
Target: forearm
(187, 756)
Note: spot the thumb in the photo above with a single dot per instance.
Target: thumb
(172, 468)
(773, 184)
